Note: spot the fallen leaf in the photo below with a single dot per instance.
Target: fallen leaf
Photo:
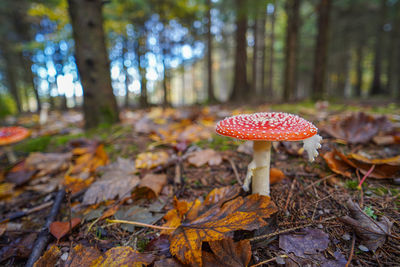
(20, 247)
(201, 157)
(137, 214)
(82, 256)
(149, 160)
(395, 161)
(339, 260)
(60, 229)
(6, 189)
(275, 175)
(49, 258)
(372, 233)
(169, 262)
(151, 185)
(19, 174)
(336, 164)
(227, 253)
(357, 127)
(123, 256)
(118, 180)
(221, 213)
(48, 163)
(309, 241)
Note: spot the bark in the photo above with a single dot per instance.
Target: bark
(141, 51)
(125, 70)
(240, 90)
(29, 77)
(256, 48)
(359, 70)
(270, 83)
(99, 105)
(321, 50)
(210, 84)
(166, 86)
(377, 88)
(291, 49)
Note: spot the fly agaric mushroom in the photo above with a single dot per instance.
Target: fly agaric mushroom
(9, 136)
(263, 128)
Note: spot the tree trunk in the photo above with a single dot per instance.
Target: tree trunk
(210, 84)
(291, 49)
(377, 88)
(256, 48)
(321, 50)
(240, 90)
(125, 70)
(99, 105)
(11, 73)
(166, 88)
(28, 74)
(270, 81)
(393, 54)
(140, 52)
(359, 70)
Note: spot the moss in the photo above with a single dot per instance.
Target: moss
(38, 144)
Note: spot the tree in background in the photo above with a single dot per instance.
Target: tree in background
(92, 60)
(291, 49)
(240, 91)
(210, 85)
(321, 50)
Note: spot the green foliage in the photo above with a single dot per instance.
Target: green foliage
(7, 105)
(370, 212)
(351, 184)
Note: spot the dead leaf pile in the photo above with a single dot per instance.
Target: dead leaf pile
(222, 212)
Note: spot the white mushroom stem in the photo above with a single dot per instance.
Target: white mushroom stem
(10, 154)
(262, 160)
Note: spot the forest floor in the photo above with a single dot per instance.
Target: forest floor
(168, 168)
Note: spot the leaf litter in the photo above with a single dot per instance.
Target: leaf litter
(83, 165)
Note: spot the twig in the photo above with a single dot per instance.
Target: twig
(353, 242)
(235, 171)
(290, 229)
(266, 261)
(361, 190)
(318, 181)
(142, 224)
(43, 237)
(290, 194)
(19, 214)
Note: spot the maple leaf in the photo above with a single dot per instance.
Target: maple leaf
(222, 212)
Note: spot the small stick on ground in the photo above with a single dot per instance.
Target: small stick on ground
(43, 237)
(361, 190)
(235, 171)
(266, 261)
(353, 242)
(19, 214)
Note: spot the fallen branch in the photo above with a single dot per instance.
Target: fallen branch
(43, 237)
(19, 214)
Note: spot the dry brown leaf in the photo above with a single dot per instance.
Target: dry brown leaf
(149, 160)
(169, 262)
(123, 256)
(372, 233)
(275, 175)
(6, 189)
(337, 165)
(395, 161)
(201, 157)
(227, 253)
(19, 174)
(117, 181)
(82, 256)
(49, 258)
(60, 229)
(221, 213)
(357, 128)
(48, 163)
(151, 185)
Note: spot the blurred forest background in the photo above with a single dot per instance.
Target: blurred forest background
(103, 56)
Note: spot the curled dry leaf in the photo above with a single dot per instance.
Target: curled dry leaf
(151, 185)
(357, 128)
(372, 233)
(60, 229)
(149, 160)
(222, 212)
(117, 180)
(227, 253)
(346, 165)
(201, 157)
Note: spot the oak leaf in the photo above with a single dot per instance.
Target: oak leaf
(222, 212)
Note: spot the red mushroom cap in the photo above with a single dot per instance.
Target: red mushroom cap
(268, 126)
(13, 134)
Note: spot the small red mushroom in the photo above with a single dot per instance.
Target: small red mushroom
(12, 135)
(263, 128)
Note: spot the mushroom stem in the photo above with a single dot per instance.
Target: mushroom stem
(10, 154)
(262, 159)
